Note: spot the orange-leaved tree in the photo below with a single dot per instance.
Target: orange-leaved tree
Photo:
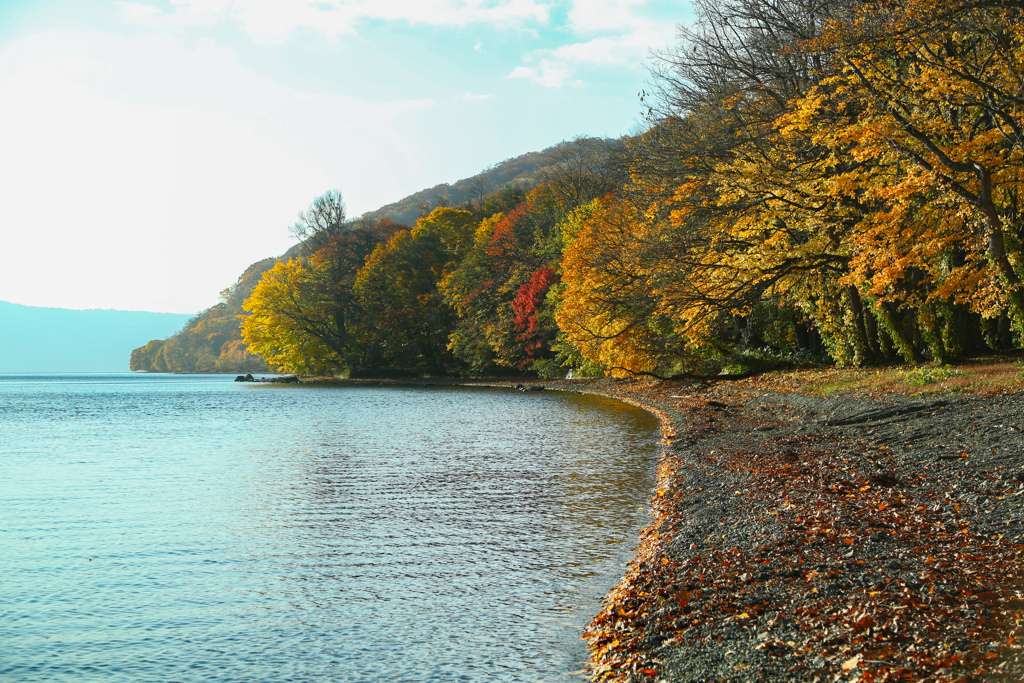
(937, 92)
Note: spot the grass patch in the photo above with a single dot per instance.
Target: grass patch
(923, 375)
(977, 376)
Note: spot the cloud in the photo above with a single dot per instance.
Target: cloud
(606, 32)
(550, 73)
(185, 12)
(472, 97)
(138, 13)
(273, 21)
(625, 36)
(593, 16)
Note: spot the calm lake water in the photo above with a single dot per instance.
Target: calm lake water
(182, 528)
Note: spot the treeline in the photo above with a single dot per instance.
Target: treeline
(830, 175)
(211, 341)
(826, 180)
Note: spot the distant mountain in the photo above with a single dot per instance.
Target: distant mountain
(36, 339)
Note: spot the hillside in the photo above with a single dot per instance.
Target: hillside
(523, 172)
(38, 339)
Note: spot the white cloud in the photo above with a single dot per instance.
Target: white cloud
(185, 12)
(593, 16)
(273, 21)
(138, 13)
(625, 38)
(548, 72)
(610, 32)
(473, 97)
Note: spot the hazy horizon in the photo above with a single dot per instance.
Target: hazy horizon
(35, 339)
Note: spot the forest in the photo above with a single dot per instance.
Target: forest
(816, 180)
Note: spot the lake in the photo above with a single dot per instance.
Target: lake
(190, 528)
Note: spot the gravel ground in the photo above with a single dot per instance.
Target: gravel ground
(799, 538)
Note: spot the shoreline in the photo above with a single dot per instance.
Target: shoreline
(863, 538)
(799, 538)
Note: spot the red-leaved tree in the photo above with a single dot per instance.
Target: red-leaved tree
(525, 306)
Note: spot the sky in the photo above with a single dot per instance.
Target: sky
(150, 150)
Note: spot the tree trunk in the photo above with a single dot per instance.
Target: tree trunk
(997, 251)
(928, 320)
(862, 351)
(904, 346)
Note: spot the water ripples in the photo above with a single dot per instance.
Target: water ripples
(188, 528)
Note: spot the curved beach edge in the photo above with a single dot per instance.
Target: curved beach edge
(800, 538)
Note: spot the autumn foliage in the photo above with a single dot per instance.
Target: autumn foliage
(853, 181)
(824, 181)
(526, 309)
(212, 340)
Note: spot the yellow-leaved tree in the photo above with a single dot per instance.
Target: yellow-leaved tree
(287, 323)
(405, 320)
